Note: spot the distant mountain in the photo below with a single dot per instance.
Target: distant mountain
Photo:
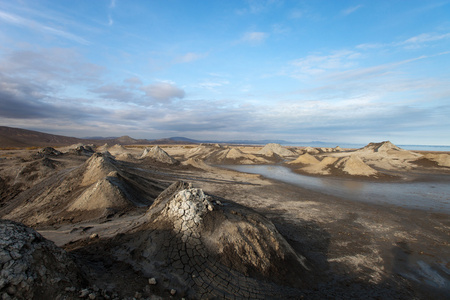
(20, 138)
(17, 137)
(183, 139)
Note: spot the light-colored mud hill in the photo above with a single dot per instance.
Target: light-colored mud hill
(217, 154)
(353, 165)
(305, 159)
(235, 156)
(159, 155)
(97, 167)
(311, 150)
(33, 267)
(442, 160)
(324, 167)
(102, 148)
(211, 250)
(386, 155)
(349, 165)
(271, 148)
(117, 149)
(101, 186)
(385, 146)
(113, 192)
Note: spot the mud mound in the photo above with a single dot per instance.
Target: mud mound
(386, 155)
(110, 193)
(322, 168)
(99, 188)
(442, 160)
(117, 149)
(196, 163)
(97, 167)
(33, 267)
(48, 151)
(235, 156)
(215, 250)
(353, 165)
(381, 147)
(311, 150)
(275, 148)
(203, 151)
(79, 149)
(217, 154)
(125, 156)
(325, 150)
(104, 147)
(337, 149)
(305, 159)
(159, 155)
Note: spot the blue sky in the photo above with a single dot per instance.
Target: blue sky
(336, 71)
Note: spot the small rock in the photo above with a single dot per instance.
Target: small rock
(5, 296)
(92, 296)
(84, 293)
(93, 236)
(152, 281)
(70, 289)
(173, 292)
(11, 290)
(137, 295)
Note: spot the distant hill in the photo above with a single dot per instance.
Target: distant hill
(17, 137)
(21, 138)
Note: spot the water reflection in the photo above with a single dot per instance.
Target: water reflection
(433, 196)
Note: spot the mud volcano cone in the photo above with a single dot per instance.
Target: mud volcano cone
(159, 155)
(212, 250)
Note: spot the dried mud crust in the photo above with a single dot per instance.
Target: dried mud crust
(353, 250)
(184, 245)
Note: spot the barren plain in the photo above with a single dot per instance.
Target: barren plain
(172, 222)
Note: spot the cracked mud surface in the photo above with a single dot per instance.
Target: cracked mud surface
(353, 249)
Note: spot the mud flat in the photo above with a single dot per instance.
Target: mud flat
(214, 236)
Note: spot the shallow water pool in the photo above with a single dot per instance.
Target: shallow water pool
(432, 196)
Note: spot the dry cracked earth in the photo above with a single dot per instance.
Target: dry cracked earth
(154, 224)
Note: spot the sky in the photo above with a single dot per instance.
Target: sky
(334, 71)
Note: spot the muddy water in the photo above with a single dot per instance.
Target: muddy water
(432, 196)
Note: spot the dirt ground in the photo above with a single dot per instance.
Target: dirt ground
(355, 249)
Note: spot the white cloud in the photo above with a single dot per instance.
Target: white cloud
(351, 10)
(423, 38)
(33, 25)
(296, 14)
(254, 37)
(319, 64)
(189, 57)
(211, 85)
(163, 91)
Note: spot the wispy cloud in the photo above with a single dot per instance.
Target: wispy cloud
(351, 10)
(319, 64)
(189, 57)
(257, 6)
(255, 37)
(33, 25)
(422, 39)
(40, 27)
